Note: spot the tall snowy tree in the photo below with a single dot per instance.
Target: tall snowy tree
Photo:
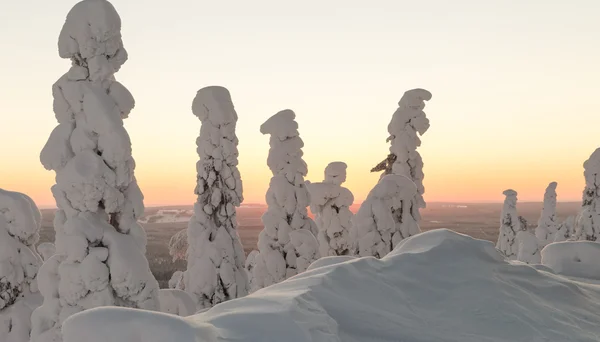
(215, 258)
(100, 247)
(588, 223)
(384, 218)
(20, 222)
(286, 245)
(547, 224)
(330, 203)
(408, 122)
(509, 226)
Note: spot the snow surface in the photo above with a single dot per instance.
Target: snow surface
(384, 219)
(509, 226)
(588, 223)
(435, 286)
(287, 245)
(215, 257)
(330, 203)
(548, 222)
(176, 302)
(573, 258)
(168, 216)
(20, 222)
(100, 246)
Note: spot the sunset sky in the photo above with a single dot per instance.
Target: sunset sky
(515, 87)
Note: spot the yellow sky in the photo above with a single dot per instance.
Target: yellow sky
(514, 87)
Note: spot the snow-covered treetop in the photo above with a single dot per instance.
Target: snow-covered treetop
(215, 105)
(509, 193)
(23, 218)
(91, 37)
(335, 173)
(410, 114)
(592, 180)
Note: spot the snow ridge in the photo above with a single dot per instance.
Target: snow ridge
(547, 224)
(215, 258)
(287, 244)
(100, 247)
(509, 226)
(330, 203)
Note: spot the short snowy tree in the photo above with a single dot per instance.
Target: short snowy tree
(385, 218)
(286, 245)
(547, 224)
(46, 250)
(408, 122)
(215, 258)
(100, 247)
(588, 223)
(528, 246)
(20, 222)
(176, 281)
(330, 203)
(565, 230)
(509, 226)
(178, 245)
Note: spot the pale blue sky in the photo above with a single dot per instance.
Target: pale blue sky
(515, 87)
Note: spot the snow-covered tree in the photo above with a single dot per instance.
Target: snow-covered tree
(286, 245)
(46, 250)
(176, 281)
(100, 247)
(178, 245)
(509, 226)
(588, 223)
(565, 230)
(547, 224)
(20, 222)
(384, 218)
(215, 258)
(408, 122)
(330, 203)
(528, 246)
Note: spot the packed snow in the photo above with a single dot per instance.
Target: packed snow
(330, 203)
(215, 257)
(509, 226)
(20, 222)
(100, 246)
(547, 224)
(588, 224)
(435, 286)
(287, 245)
(176, 302)
(573, 258)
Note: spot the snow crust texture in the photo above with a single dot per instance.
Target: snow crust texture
(287, 245)
(509, 226)
(548, 222)
(573, 258)
(385, 218)
(20, 222)
(588, 224)
(330, 203)
(215, 258)
(397, 298)
(100, 246)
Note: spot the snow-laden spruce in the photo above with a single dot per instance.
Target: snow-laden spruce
(178, 245)
(408, 122)
(20, 222)
(215, 257)
(384, 218)
(548, 222)
(509, 226)
(588, 223)
(100, 247)
(286, 245)
(528, 246)
(330, 203)
(565, 230)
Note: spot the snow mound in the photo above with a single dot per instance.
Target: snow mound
(176, 302)
(461, 286)
(573, 258)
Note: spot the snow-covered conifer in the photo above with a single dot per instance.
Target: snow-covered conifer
(176, 281)
(330, 203)
(100, 247)
(509, 226)
(178, 245)
(408, 122)
(384, 218)
(588, 223)
(547, 224)
(565, 230)
(20, 221)
(215, 258)
(528, 246)
(286, 245)
(46, 250)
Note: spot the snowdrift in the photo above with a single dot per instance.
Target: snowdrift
(435, 286)
(573, 258)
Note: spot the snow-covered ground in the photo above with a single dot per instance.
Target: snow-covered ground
(435, 286)
(168, 216)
